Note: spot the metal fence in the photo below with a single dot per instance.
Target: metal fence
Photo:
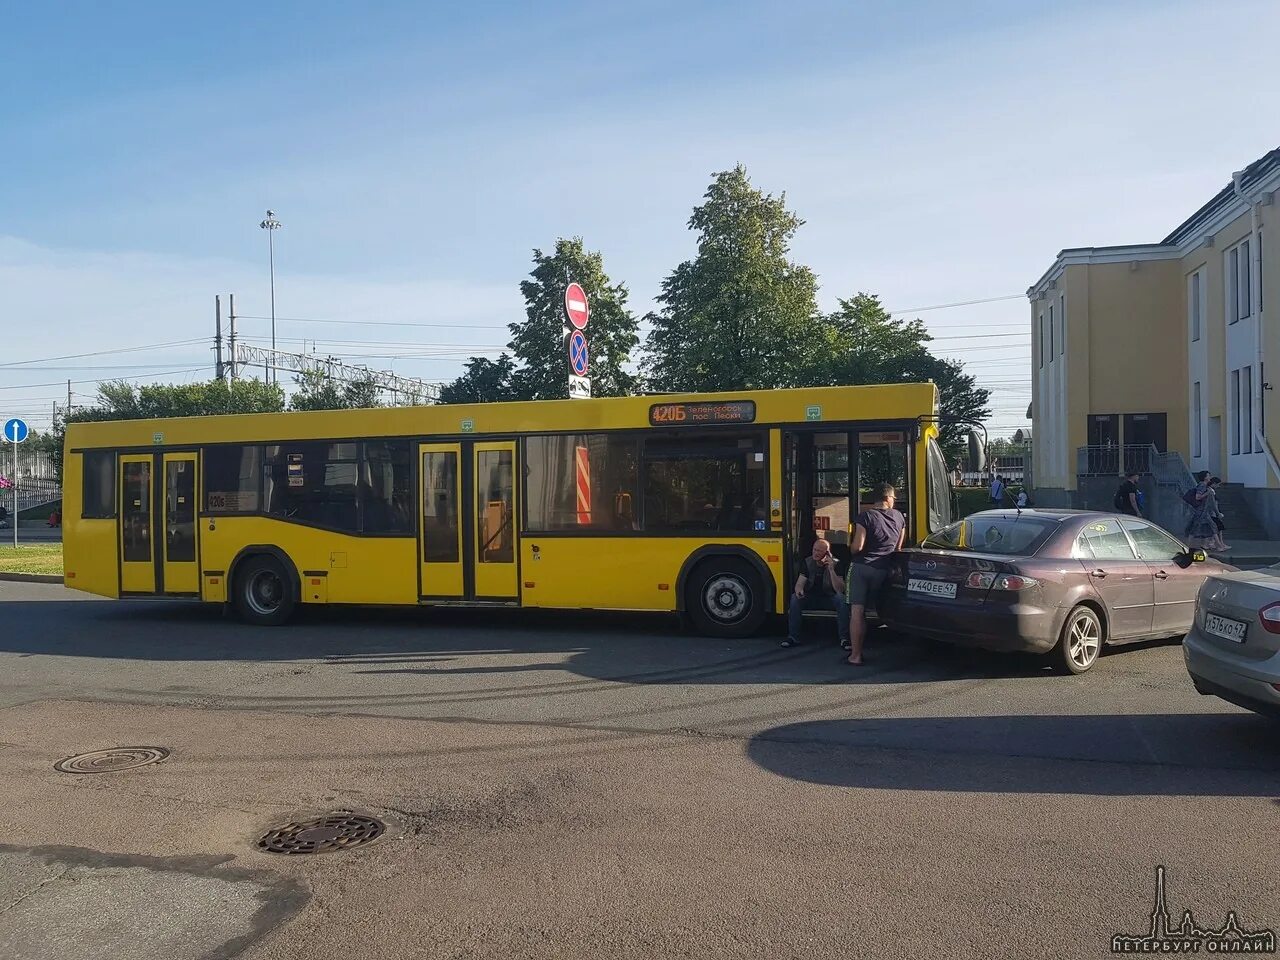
(1115, 461)
(35, 478)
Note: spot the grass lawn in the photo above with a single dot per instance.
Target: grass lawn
(31, 558)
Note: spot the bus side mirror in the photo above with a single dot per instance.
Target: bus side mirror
(977, 458)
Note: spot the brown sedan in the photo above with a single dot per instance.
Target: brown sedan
(1063, 582)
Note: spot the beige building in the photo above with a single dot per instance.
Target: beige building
(1164, 348)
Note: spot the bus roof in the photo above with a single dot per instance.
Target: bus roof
(878, 403)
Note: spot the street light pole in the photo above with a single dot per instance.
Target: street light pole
(271, 225)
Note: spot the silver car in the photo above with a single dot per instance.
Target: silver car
(1233, 649)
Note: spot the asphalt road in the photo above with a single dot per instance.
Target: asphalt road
(601, 786)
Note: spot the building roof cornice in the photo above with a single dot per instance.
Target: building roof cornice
(1257, 179)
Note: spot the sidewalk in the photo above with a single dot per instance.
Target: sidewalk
(1251, 554)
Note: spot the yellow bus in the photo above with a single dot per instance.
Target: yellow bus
(696, 503)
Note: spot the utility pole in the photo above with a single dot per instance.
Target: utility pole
(231, 309)
(68, 413)
(217, 338)
(271, 225)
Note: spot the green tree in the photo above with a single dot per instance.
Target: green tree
(315, 391)
(740, 314)
(119, 400)
(862, 343)
(538, 343)
(484, 381)
(361, 394)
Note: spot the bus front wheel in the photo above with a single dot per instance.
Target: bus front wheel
(263, 593)
(725, 598)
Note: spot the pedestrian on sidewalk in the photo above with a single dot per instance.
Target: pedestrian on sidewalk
(820, 586)
(877, 534)
(1202, 532)
(1219, 525)
(997, 491)
(1127, 496)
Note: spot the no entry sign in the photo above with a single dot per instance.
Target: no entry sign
(575, 306)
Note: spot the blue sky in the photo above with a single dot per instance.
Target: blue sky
(417, 152)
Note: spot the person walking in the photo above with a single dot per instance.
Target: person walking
(877, 533)
(997, 491)
(820, 586)
(1216, 513)
(1127, 499)
(1201, 530)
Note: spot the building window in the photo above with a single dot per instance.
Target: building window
(1051, 337)
(1042, 341)
(1234, 399)
(1238, 289)
(1193, 305)
(314, 482)
(1246, 407)
(98, 484)
(232, 479)
(581, 482)
(705, 482)
(1197, 433)
(1062, 324)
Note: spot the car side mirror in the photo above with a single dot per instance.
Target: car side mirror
(1198, 556)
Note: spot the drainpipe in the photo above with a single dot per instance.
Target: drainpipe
(1255, 308)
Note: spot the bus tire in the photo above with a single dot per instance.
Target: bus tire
(263, 591)
(725, 597)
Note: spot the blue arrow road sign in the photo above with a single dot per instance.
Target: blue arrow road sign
(578, 353)
(15, 430)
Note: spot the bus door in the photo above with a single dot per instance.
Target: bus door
(883, 456)
(181, 574)
(137, 508)
(441, 545)
(493, 535)
(828, 479)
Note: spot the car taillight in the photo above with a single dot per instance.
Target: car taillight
(1011, 581)
(1001, 581)
(1269, 617)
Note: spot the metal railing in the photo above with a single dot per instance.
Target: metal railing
(1115, 461)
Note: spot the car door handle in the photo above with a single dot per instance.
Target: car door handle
(1100, 574)
(1161, 575)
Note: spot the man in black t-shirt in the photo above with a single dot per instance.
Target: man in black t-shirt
(877, 534)
(1127, 496)
(820, 586)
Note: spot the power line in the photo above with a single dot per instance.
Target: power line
(961, 303)
(143, 376)
(103, 353)
(383, 323)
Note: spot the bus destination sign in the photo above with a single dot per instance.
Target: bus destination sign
(727, 411)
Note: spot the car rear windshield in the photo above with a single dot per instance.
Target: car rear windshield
(1013, 536)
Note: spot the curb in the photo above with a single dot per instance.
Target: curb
(30, 578)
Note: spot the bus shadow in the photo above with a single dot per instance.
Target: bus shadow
(443, 641)
(1212, 754)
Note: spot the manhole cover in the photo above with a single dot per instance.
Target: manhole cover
(337, 831)
(109, 761)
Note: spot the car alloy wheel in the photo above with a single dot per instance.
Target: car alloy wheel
(1084, 640)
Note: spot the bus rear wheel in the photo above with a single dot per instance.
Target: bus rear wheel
(725, 598)
(263, 594)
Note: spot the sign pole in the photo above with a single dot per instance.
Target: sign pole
(15, 491)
